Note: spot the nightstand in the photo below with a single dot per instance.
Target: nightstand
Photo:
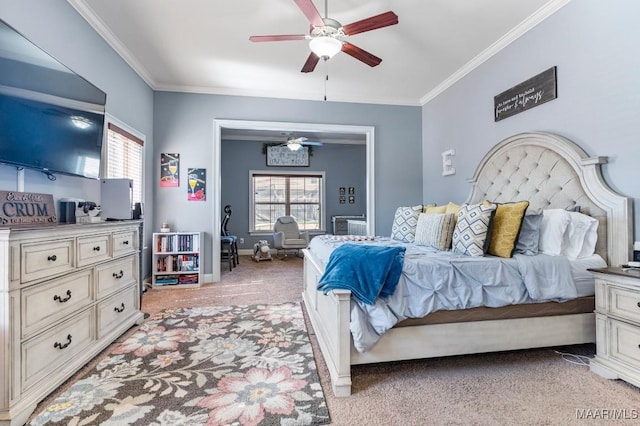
(617, 324)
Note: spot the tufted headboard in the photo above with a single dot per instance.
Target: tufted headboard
(552, 172)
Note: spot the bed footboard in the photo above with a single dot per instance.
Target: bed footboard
(330, 317)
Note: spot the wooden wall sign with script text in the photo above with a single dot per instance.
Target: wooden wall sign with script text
(528, 94)
(26, 208)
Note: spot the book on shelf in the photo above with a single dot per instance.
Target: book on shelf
(178, 242)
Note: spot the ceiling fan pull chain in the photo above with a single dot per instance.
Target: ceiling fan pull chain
(326, 78)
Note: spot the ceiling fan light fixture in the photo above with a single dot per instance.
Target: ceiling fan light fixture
(294, 146)
(325, 46)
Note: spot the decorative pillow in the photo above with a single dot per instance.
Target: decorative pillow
(426, 207)
(453, 208)
(472, 229)
(434, 209)
(505, 227)
(435, 230)
(581, 236)
(552, 229)
(404, 223)
(529, 235)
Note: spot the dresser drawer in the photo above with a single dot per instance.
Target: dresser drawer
(115, 310)
(625, 343)
(115, 275)
(624, 303)
(44, 354)
(93, 249)
(124, 243)
(46, 303)
(45, 259)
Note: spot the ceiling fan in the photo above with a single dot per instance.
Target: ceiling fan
(295, 144)
(327, 36)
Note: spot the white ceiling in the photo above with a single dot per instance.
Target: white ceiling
(203, 46)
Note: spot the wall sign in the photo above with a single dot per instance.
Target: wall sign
(26, 208)
(528, 94)
(281, 156)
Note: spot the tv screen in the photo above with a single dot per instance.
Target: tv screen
(49, 137)
(51, 119)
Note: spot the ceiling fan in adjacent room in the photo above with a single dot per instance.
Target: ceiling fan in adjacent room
(327, 36)
(294, 144)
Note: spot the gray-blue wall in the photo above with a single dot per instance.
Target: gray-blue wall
(595, 46)
(344, 166)
(184, 124)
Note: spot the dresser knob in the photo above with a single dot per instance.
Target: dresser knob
(638, 304)
(118, 275)
(52, 258)
(96, 248)
(58, 298)
(120, 309)
(126, 243)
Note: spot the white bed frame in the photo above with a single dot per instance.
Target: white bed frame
(549, 171)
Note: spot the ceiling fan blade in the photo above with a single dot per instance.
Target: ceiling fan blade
(312, 143)
(312, 61)
(278, 37)
(372, 23)
(308, 8)
(360, 54)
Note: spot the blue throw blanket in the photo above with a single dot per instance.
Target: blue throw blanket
(369, 271)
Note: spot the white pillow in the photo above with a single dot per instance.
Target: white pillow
(552, 230)
(435, 230)
(581, 236)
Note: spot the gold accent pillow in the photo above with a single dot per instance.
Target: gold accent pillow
(455, 209)
(505, 227)
(433, 209)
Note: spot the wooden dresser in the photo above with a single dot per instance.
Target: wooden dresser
(66, 293)
(617, 324)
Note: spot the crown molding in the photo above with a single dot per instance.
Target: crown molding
(540, 15)
(103, 30)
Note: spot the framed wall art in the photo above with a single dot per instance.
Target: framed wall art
(169, 170)
(281, 156)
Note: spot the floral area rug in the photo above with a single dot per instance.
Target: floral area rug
(239, 365)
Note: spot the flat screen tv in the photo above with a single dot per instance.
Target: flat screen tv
(51, 119)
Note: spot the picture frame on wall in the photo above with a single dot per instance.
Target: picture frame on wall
(169, 170)
(281, 156)
(197, 184)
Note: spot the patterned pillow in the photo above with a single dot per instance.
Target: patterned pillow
(404, 223)
(435, 230)
(472, 229)
(505, 227)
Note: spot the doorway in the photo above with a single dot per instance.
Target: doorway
(271, 126)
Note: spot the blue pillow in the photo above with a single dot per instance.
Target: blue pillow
(529, 235)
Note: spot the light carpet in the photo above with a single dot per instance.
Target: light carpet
(213, 365)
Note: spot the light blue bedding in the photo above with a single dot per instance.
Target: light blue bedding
(433, 280)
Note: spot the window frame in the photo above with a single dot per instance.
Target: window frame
(322, 197)
(130, 133)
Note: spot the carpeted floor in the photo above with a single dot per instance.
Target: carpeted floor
(532, 387)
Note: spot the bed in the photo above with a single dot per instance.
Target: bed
(550, 172)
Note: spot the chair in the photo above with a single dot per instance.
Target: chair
(228, 242)
(287, 236)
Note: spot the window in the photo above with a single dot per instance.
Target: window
(300, 195)
(124, 157)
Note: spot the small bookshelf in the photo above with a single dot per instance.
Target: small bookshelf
(177, 258)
